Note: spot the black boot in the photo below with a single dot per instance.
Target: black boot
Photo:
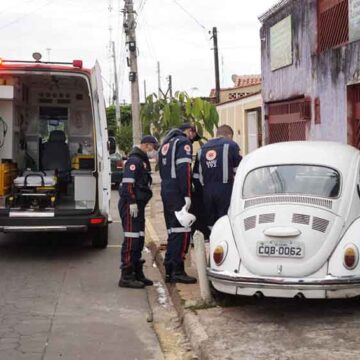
(140, 276)
(180, 276)
(128, 280)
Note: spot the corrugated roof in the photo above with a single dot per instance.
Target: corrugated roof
(278, 6)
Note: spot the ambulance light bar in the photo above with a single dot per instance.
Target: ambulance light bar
(75, 63)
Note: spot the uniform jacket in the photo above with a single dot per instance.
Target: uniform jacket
(136, 182)
(175, 157)
(216, 162)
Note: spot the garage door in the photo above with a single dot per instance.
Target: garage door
(354, 116)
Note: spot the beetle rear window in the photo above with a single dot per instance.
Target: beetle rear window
(292, 179)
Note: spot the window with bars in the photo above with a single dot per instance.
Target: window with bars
(333, 23)
(288, 120)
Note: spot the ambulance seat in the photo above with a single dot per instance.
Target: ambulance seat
(55, 154)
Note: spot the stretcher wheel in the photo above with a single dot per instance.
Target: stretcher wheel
(99, 237)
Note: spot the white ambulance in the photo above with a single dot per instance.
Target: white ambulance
(54, 149)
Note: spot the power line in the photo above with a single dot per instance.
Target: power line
(190, 14)
(26, 14)
(13, 7)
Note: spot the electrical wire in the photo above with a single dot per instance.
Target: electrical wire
(14, 7)
(190, 15)
(26, 14)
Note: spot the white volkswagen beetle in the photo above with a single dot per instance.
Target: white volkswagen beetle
(293, 226)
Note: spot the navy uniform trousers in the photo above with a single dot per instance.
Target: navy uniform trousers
(134, 235)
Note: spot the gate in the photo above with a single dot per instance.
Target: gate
(354, 116)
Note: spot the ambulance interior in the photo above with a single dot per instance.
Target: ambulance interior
(47, 149)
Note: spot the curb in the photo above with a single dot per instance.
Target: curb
(190, 322)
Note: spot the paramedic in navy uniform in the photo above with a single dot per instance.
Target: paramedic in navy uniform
(175, 158)
(135, 193)
(215, 167)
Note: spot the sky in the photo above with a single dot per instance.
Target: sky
(173, 32)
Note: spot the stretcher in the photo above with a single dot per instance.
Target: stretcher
(34, 190)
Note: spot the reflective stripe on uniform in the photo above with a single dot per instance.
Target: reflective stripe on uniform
(132, 235)
(226, 164)
(196, 176)
(179, 230)
(173, 156)
(128, 181)
(183, 161)
(200, 169)
(142, 233)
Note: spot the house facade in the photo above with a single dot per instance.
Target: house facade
(244, 115)
(310, 59)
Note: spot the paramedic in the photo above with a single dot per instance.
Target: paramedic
(135, 193)
(175, 157)
(214, 170)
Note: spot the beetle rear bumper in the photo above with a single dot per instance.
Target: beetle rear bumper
(327, 283)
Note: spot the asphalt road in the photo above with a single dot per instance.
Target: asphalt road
(59, 300)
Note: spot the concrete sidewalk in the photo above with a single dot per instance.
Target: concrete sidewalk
(249, 328)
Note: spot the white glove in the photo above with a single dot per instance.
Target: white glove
(187, 203)
(134, 210)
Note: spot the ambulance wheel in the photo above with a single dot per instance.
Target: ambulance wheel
(99, 239)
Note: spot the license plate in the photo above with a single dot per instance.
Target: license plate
(273, 249)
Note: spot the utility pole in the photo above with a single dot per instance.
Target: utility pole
(116, 90)
(216, 60)
(48, 50)
(145, 95)
(170, 86)
(159, 79)
(130, 26)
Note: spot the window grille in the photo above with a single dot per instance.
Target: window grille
(333, 23)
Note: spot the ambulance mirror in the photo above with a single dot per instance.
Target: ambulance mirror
(112, 145)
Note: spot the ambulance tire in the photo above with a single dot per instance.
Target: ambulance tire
(99, 237)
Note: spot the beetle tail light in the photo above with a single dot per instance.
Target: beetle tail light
(351, 257)
(119, 164)
(220, 253)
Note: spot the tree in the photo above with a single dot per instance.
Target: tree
(123, 134)
(160, 115)
(124, 138)
(125, 117)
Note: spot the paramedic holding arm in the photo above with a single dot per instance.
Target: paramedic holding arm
(175, 158)
(215, 167)
(135, 193)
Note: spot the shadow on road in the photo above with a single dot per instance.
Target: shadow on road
(40, 246)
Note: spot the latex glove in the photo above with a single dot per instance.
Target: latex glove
(187, 203)
(134, 210)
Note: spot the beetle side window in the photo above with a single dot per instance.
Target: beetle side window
(292, 179)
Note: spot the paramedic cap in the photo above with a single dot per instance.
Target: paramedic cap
(193, 127)
(187, 126)
(149, 139)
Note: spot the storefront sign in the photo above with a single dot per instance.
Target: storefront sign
(281, 44)
(354, 20)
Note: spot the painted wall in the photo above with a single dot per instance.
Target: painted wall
(234, 114)
(324, 75)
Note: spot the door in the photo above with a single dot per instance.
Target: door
(354, 116)
(254, 136)
(102, 159)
